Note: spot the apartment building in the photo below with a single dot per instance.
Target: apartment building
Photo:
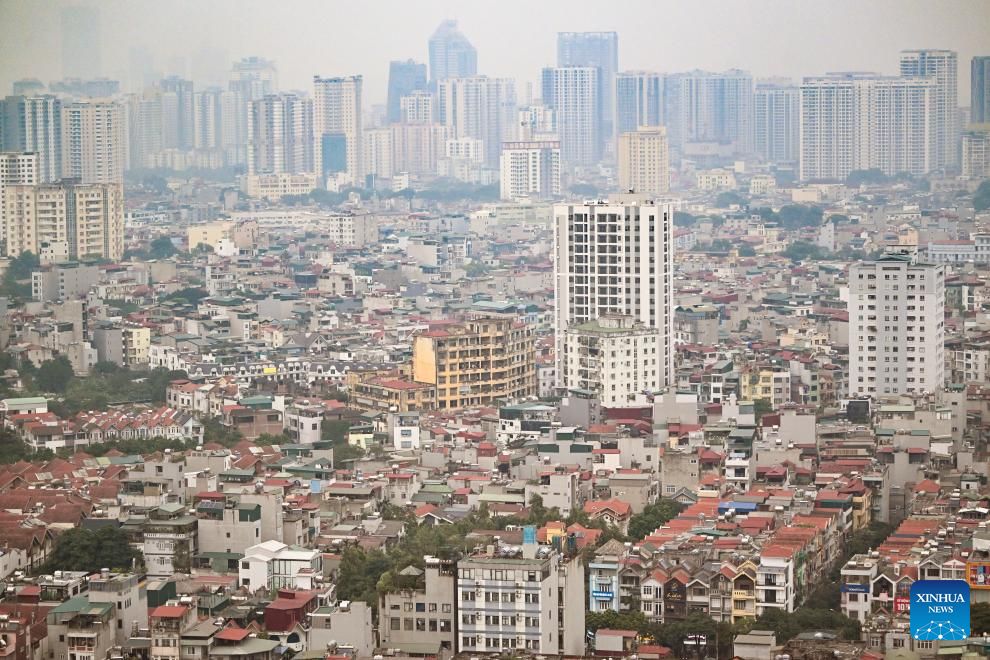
(421, 607)
(79, 220)
(896, 326)
(614, 257)
(477, 363)
(617, 357)
(644, 161)
(510, 599)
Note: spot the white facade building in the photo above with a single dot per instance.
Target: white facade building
(776, 120)
(479, 107)
(94, 141)
(337, 127)
(572, 93)
(16, 168)
(275, 565)
(619, 359)
(941, 67)
(861, 121)
(615, 257)
(530, 170)
(896, 327)
(280, 135)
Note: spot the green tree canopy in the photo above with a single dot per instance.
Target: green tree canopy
(643, 524)
(80, 549)
(162, 248)
(54, 375)
(981, 198)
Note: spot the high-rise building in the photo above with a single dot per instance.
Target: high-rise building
(706, 107)
(638, 100)
(536, 122)
(572, 93)
(34, 124)
(377, 145)
(94, 141)
(980, 90)
(254, 77)
(144, 127)
(776, 121)
(418, 108)
(942, 67)
(417, 148)
(530, 170)
(896, 327)
(208, 121)
(614, 257)
(177, 113)
(976, 151)
(280, 135)
(81, 42)
(644, 161)
(451, 54)
(17, 168)
(861, 121)
(337, 127)
(599, 50)
(479, 107)
(404, 78)
(81, 220)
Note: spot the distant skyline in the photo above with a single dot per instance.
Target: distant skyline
(513, 38)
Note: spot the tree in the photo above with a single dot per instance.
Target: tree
(682, 219)
(874, 176)
(191, 295)
(787, 625)
(643, 524)
(726, 199)
(20, 268)
(796, 216)
(981, 198)
(162, 248)
(747, 251)
(360, 571)
(54, 375)
(802, 251)
(762, 407)
(610, 619)
(979, 619)
(80, 549)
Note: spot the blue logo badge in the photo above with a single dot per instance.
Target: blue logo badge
(940, 609)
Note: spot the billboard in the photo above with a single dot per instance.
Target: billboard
(978, 574)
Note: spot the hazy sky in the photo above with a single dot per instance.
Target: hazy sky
(513, 37)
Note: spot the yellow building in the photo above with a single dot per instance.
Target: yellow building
(136, 341)
(477, 363)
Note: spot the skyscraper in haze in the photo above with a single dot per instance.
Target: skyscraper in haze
(451, 54)
(254, 77)
(942, 67)
(980, 90)
(572, 92)
(404, 78)
(177, 113)
(81, 42)
(638, 100)
(34, 124)
(280, 130)
(208, 122)
(706, 107)
(599, 50)
(861, 121)
(337, 127)
(479, 107)
(94, 141)
(530, 170)
(776, 121)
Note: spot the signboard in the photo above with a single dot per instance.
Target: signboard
(529, 535)
(270, 370)
(978, 574)
(902, 605)
(675, 592)
(603, 594)
(855, 588)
